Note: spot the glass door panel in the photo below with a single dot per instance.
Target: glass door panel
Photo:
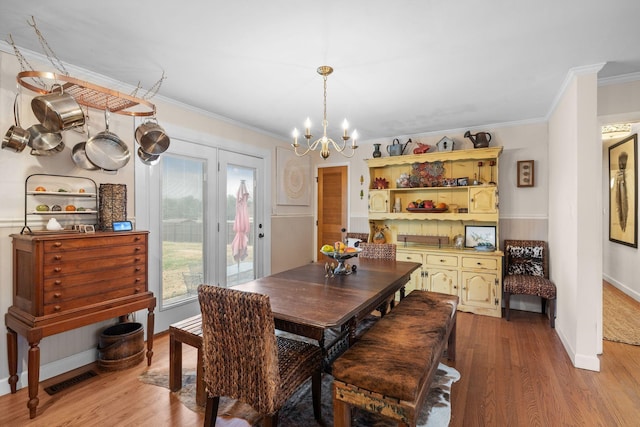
(182, 225)
(241, 225)
(239, 231)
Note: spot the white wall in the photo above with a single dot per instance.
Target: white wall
(575, 217)
(618, 102)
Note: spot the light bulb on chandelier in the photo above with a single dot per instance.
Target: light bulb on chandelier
(325, 142)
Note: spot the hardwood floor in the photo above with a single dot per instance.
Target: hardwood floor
(513, 374)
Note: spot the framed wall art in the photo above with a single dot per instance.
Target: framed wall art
(525, 173)
(293, 175)
(623, 192)
(475, 235)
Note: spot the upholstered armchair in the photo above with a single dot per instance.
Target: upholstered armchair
(527, 273)
(243, 358)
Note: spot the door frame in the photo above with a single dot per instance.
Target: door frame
(315, 199)
(143, 176)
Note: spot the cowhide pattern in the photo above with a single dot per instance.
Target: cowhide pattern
(525, 260)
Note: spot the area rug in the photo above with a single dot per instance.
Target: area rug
(621, 317)
(298, 411)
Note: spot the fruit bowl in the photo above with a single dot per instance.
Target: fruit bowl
(341, 257)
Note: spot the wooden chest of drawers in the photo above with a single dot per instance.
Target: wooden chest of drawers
(65, 281)
(57, 273)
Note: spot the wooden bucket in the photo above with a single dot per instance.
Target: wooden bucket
(121, 346)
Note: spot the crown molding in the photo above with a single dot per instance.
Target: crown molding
(614, 80)
(571, 75)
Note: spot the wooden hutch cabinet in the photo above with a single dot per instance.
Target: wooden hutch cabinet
(466, 182)
(65, 281)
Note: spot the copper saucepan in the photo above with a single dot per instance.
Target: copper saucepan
(16, 138)
(152, 138)
(57, 110)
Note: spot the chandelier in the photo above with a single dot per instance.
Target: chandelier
(325, 142)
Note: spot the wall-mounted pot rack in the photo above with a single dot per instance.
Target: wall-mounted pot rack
(90, 95)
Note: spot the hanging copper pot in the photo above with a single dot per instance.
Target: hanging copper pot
(57, 110)
(16, 138)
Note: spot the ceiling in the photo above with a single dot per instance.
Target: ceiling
(401, 68)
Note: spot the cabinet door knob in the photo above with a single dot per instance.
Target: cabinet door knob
(479, 263)
(441, 260)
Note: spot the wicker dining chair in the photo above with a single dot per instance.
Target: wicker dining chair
(527, 273)
(380, 251)
(243, 359)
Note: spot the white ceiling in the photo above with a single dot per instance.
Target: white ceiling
(401, 67)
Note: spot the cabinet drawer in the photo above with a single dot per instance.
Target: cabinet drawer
(409, 256)
(442, 260)
(57, 257)
(480, 262)
(106, 276)
(65, 292)
(62, 267)
(57, 245)
(60, 306)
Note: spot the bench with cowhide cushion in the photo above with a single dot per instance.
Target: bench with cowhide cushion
(390, 368)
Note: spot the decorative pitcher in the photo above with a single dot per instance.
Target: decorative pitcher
(376, 150)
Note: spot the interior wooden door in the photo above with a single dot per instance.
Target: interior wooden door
(332, 205)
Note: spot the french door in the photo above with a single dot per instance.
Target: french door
(191, 202)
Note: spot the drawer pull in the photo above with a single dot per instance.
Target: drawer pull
(57, 270)
(57, 295)
(137, 238)
(58, 282)
(57, 257)
(138, 279)
(136, 290)
(57, 308)
(57, 244)
(442, 260)
(138, 268)
(479, 263)
(138, 248)
(136, 259)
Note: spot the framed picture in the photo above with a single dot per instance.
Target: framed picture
(623, 192)
(463, 182)
(293, 175)
(476, 234)
(525, 173)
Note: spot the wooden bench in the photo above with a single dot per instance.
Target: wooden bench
(390, 369)
(188, 331)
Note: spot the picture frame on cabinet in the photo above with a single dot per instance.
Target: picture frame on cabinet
(463, 182)
(623, 192)
(526, 176)
(475, 235)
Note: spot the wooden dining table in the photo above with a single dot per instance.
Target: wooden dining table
(306, 302)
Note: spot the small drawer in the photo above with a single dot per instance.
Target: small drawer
(480, 262)
(409, 256)
(442, 260)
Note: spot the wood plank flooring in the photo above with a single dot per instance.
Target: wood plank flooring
(513, 374)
